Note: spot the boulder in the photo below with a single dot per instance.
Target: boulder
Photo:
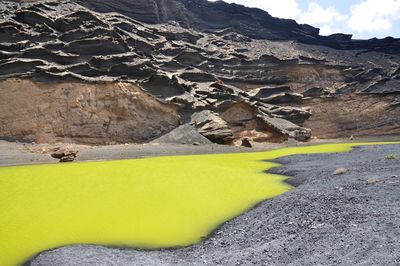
(213, 127)
(301, 134)
(248, 143)
(64, 153)
(286, 128)
(184, 134)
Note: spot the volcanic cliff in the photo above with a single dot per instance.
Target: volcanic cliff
(99, 72)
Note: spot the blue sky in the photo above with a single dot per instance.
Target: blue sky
(363, 18)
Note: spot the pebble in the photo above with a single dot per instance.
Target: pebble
(340, 171)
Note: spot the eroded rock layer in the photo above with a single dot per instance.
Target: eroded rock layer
(81, 112)
(260, 76)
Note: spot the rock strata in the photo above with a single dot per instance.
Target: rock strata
(202, 56)
(83, 113)
(213, 127)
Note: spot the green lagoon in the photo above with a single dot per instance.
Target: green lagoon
(147, 203)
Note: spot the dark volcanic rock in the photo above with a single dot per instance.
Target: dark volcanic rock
(185, 134)
(246, 142)
(201, 55)
(220, 17)
(213, 127)
(96, 46)
(207, 16)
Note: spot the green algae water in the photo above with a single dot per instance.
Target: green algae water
(147, 203)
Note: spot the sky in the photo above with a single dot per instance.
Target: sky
(364, 19)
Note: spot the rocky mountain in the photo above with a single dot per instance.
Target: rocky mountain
(220, 16)
(99, 72)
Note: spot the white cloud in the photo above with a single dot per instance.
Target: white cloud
(325, 18)
(281, 8)
(326, 30)
(318, 15)
(365, 18)
(374, 15)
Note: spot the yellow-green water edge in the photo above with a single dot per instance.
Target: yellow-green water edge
(148, 203)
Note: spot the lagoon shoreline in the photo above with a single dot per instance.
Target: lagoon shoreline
(328, 219)
(18, 153)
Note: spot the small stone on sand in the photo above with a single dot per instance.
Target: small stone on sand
(340, 171)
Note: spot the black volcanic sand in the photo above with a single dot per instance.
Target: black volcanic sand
(13, 153)
(349, 219)
(18, 153)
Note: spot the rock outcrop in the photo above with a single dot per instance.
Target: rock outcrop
(220, 17)
(81, 112)
(184, 134)
(64, 154)
(195, 55)
(213, 127)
